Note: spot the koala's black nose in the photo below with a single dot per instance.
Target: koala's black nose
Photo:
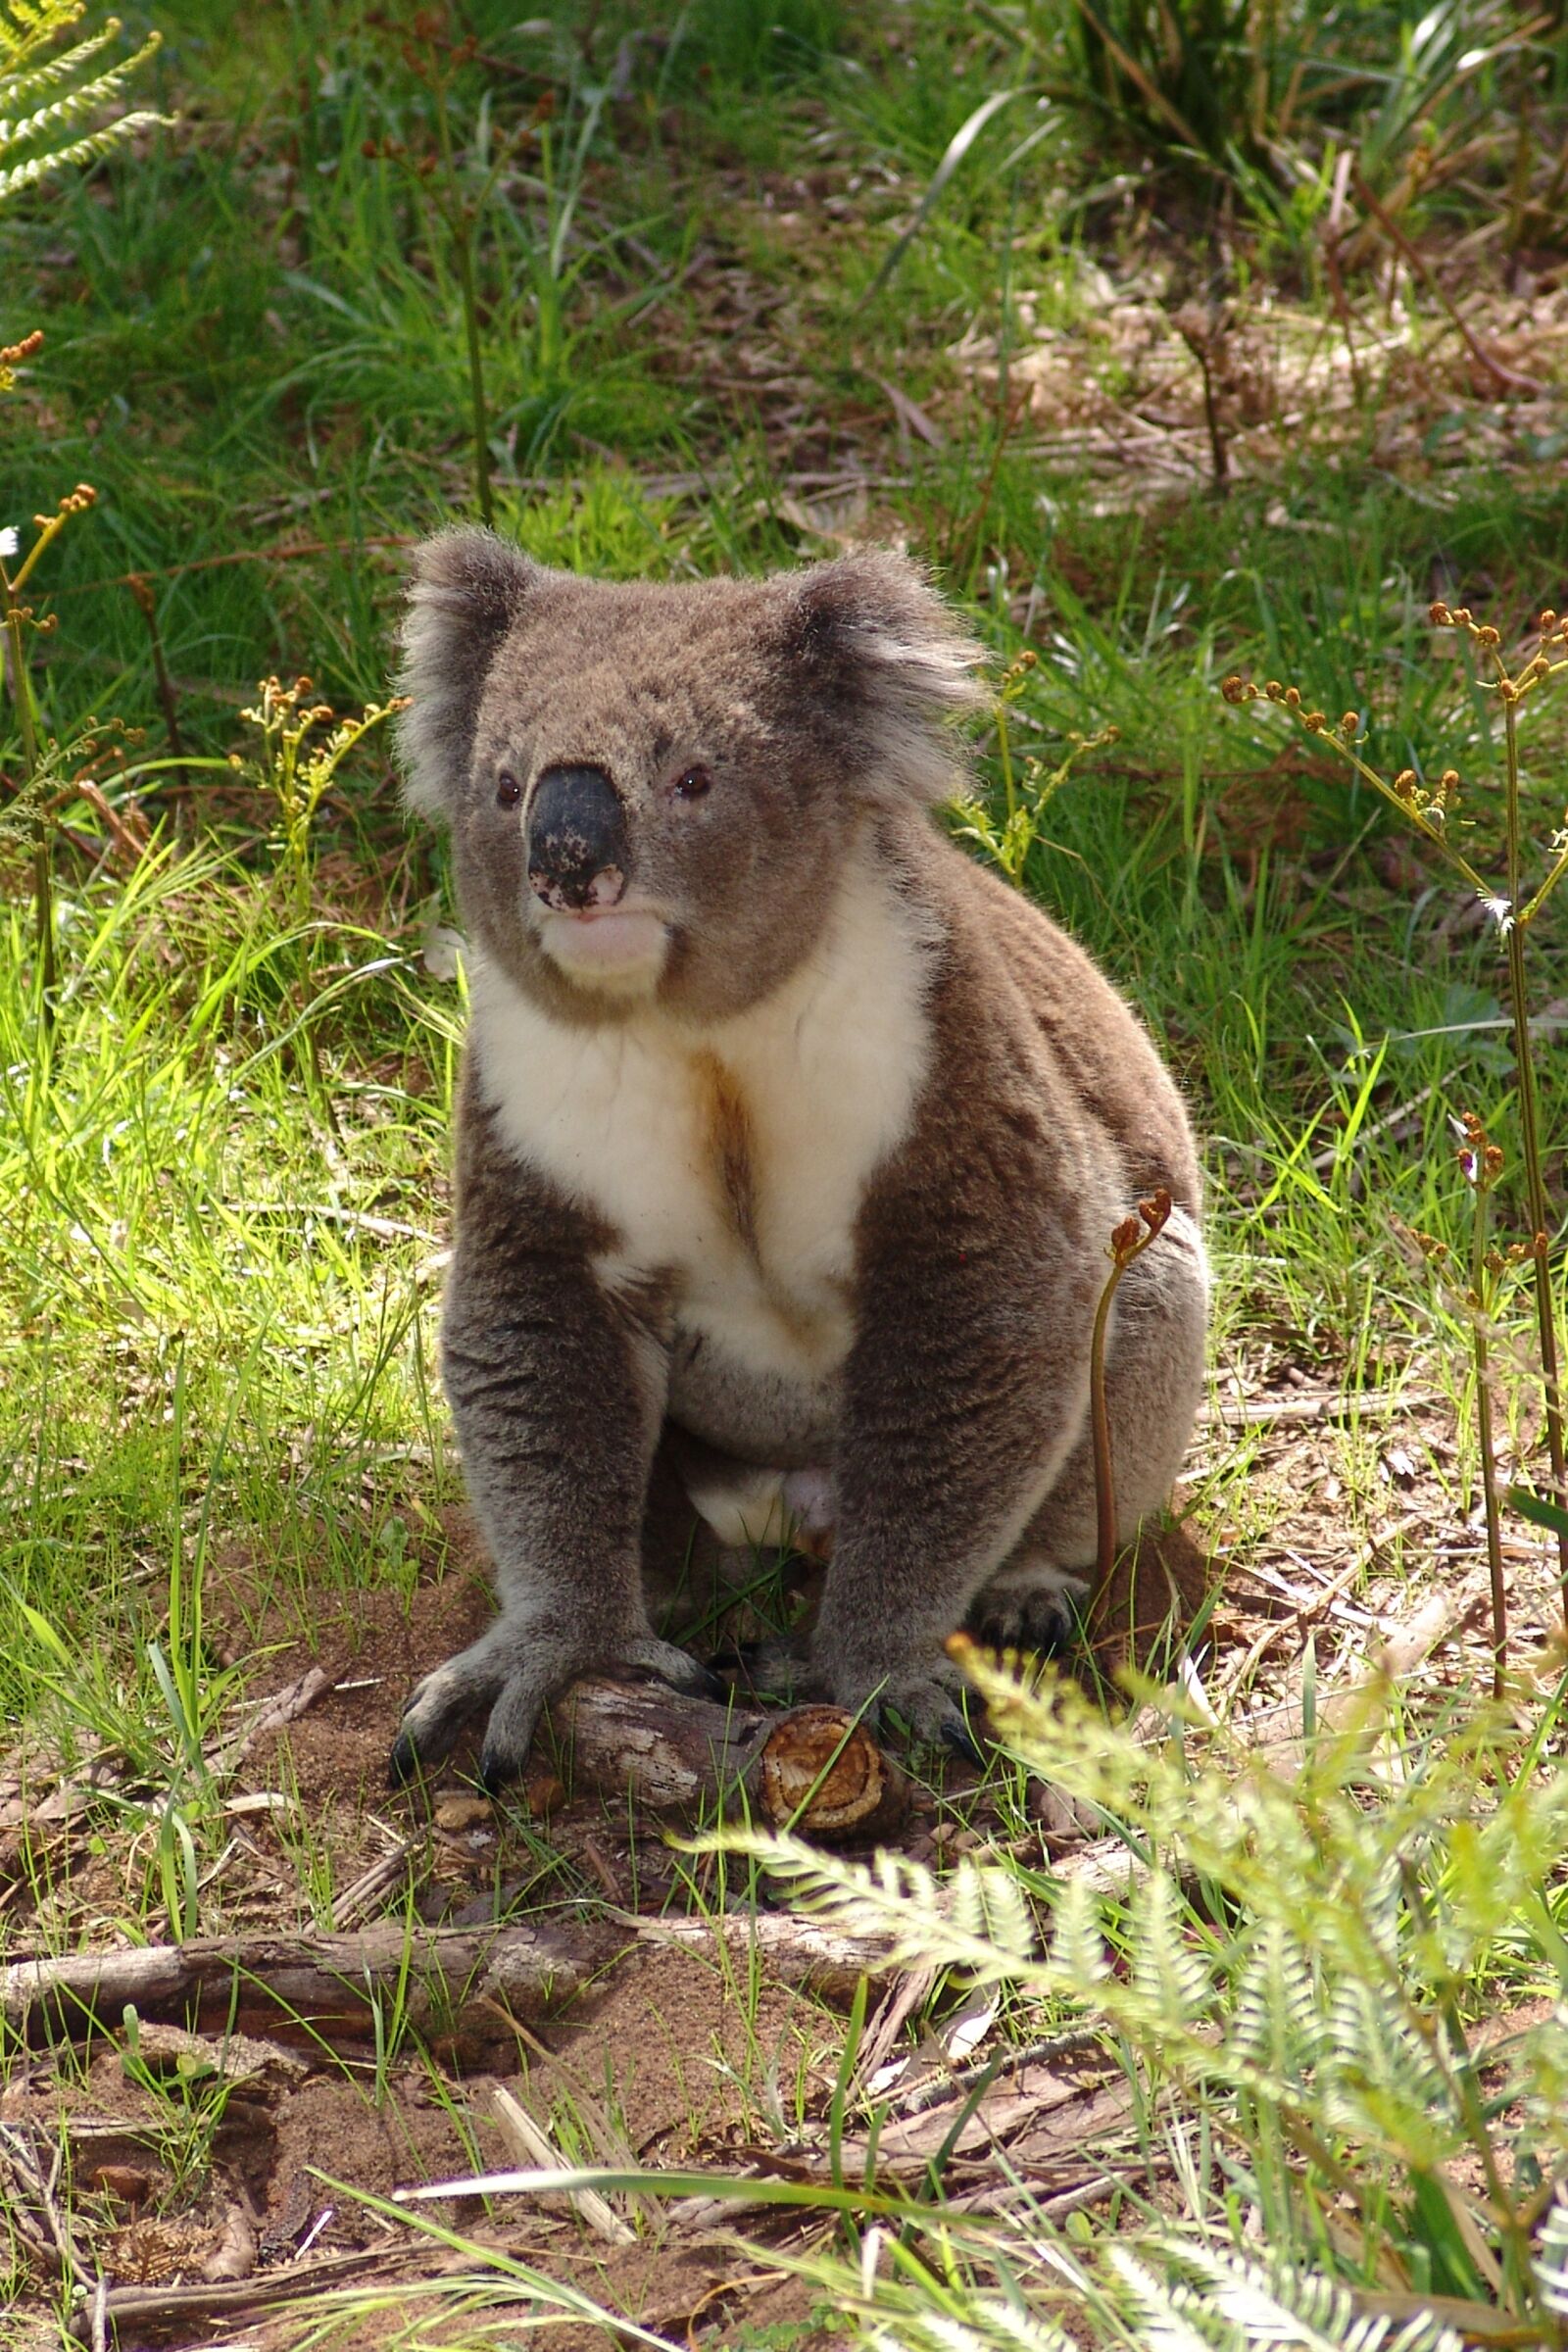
(576, 839)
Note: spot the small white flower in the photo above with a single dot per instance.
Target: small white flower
(10, 540)
(1501, 914)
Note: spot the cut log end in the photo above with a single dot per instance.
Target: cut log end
(821, 1772)
(814, 1768)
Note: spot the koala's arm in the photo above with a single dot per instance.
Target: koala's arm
(557, 1384)
(965, 1391)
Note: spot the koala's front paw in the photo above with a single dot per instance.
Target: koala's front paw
(929, 1695)
(512, 1670)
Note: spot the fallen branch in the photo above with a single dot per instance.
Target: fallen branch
(309, 1986)
(815, 1769)
(445, 1983)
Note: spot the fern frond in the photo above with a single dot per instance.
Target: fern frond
(977, 1922)
(1276, 2020)
(1276, 2307)
(73, 105)
(28, 25)
(1155, 2309)
(18, 82)
(88, 150)
(1380, 2081)
(1551, 2256)
(987, 2327)
(1166, 1971)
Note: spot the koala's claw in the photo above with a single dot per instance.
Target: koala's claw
(668, 1663)
(1042, 1618)
(956, 1736)
(927, 1701)
(437, 1709)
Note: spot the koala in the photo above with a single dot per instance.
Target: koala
(789, 1140)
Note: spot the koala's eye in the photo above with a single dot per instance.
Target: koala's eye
(509, 792)
(693, 784)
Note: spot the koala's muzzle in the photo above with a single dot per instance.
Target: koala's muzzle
(576, 839)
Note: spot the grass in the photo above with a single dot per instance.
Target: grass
(223, 1161)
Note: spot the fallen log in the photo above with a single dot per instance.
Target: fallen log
(815, 1769)
(451, 1984)
(307, 1987)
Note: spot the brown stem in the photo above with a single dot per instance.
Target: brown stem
(141, 589)
(1484, 1433)
(1200, 342)
(1129, 1240)
(967, 542)
(43, 892)
(1475, 348)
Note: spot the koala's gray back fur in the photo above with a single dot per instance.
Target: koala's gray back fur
(800, 1155)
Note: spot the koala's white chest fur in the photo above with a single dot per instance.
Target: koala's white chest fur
(733, 1157)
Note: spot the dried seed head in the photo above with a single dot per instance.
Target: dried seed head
(1238, 690)
(1293, 697)
(1314, 722)
(1404, 783)
(1449, 781)
(1464, 616)
(1508, 689)
(1275, 691)
(1349, 726)
(1548, 622)
(1488, 636)
(1440, 615)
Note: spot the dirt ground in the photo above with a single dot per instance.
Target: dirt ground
(223, 2167)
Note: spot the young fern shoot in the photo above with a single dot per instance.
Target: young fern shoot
(1132, 1237)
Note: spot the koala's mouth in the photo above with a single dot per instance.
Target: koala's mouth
(605, 946)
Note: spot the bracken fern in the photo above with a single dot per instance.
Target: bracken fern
(72, 86)
(1300, 1954)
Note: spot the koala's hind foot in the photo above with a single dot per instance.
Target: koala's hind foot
(1029, 1605)
(512, 1670)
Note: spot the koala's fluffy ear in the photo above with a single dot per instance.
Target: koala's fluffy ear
(466, 590)
(890, 657)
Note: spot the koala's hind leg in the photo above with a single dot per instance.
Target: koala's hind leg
(1153, 1385)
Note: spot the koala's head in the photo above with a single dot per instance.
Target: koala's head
(653, 789)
